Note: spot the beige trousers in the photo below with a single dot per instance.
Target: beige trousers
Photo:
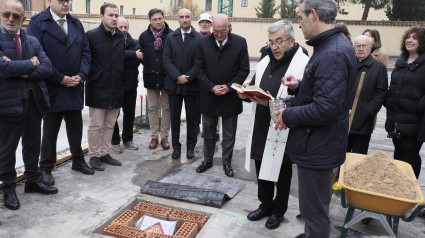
(99, 132)
(153, 113)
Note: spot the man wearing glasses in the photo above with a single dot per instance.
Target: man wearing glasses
(63, 38)
(221, 59)
(23, 102)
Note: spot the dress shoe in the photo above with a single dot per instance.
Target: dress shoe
(11, 201)
(130, 145)
(81, 165)
(165, 145)
(274, 221)
(47, 178)
(204, 166)
(109, 160)
(96, 164)
(228, 170)
(190, 153)
(39, 187)
(154, 143)
(258, 214)
(176, 153)
(116, 148)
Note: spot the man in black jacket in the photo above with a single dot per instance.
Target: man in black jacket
(133, 57)
(152, 41)
(104, 86)
(371, 97)
(23, 101)
(181, 82)
(221, 59)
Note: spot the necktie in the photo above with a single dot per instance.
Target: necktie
(61, 21)
(18, 43)
(184, 36)
(221, 45)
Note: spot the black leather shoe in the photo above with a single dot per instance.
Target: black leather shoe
(228, 170)
(31, 187)
(47, 178)
(274, 221)
(257, 214)
(204, 166)
(11, 201)
(81, 165)
(190, 153)
(176, 154)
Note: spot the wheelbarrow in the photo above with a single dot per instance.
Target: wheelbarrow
(388, 210)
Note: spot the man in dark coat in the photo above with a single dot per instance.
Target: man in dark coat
(181, 81)
(152, 41)
(133, 57)
(371, 97)
(221, 59)
(104, 86)
(63, 38)
(317, 141)
(23, 102)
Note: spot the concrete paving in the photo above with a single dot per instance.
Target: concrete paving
(86, 204)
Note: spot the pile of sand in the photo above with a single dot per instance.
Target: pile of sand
(378, 173)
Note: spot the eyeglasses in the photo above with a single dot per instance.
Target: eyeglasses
(220, 32)
(361, 46)
(63, 1)
(277, 43)
(15, 16)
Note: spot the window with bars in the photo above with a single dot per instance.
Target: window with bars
(208, 5)
(134, 11)
(88, 3)
(121, 9)
(244, 3)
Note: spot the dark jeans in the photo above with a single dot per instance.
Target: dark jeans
(279, 205)
(358, 143)
(229, 125)
(51, 126)
(407, 149)
(314, 188)
(128, 109)
(191, 107)
(29, 127)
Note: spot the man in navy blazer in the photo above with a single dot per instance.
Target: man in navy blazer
(63, 39)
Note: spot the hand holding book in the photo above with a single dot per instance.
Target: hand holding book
(251, 91)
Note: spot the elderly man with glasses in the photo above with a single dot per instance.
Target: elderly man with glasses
(23, 102)
(221, 59)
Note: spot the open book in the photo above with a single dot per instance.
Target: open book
(251, 91)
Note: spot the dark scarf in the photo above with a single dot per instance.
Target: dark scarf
(158, 40)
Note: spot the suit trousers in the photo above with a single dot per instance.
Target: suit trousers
(358, 143)
(155, 102)
(99, 132)
(314, 187)
(191, 106)
(279, 204)
(29, 128)
(129, 110)
(51, 126)
(229, 125)
(407, 149)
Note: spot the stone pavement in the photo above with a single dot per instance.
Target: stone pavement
(85, 204)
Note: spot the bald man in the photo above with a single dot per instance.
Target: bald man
(221, 59)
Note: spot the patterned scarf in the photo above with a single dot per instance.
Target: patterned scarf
(158, 40)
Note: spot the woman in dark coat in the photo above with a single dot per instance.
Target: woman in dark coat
(405, 100)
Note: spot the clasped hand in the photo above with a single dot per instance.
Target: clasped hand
(71, 81)
(220, 90)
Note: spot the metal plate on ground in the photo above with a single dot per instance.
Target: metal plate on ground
(194, 187)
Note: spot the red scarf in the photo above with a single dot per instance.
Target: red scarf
(158, 40)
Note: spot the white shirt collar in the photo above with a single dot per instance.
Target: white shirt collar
(222, 43)
(56, 17)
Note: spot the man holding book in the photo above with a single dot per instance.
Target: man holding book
(284, 57)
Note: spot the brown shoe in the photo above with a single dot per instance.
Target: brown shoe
(96, 164)
(165, 145)
(130, 145)
(108, 159)
(154, 143)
